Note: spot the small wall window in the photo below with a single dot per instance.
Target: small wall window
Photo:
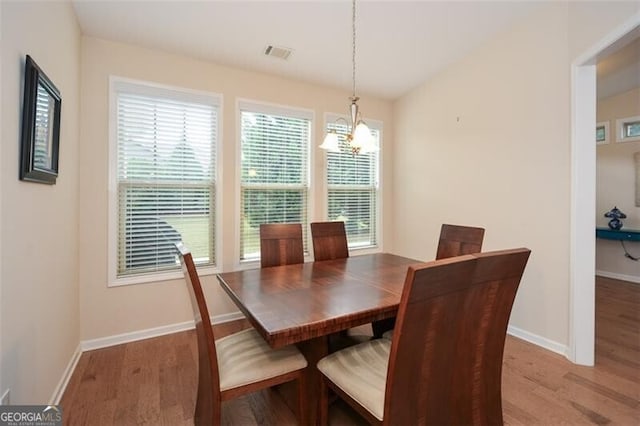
(602, 132)
(628, 129)
(631, 129)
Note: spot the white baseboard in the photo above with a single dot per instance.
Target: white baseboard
(231, 316)
(66, 376)
(103, 342)
(622, 277)
(539, 340)
(118, 339)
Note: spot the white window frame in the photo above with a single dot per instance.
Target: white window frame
(374, 125)
(244, 104)
(620, 124)
(117, 84)
(604, 124)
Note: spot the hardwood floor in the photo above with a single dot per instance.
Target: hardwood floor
(154, 381)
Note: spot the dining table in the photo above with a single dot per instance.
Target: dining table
(303, 304)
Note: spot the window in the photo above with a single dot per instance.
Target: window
(163, 179)
(352, 188)
(628, 129)
(602, 132)
(274, 168)
(631, 129)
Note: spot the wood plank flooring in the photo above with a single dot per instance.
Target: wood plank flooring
(153, 381)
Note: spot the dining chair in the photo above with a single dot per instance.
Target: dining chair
(237, 364)
(281, 244)
(330, 243)
(455, 240)
(329, 240)
(444, 364)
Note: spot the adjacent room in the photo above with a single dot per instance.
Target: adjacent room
(379, 211)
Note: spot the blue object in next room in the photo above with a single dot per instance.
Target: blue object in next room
(615, 215)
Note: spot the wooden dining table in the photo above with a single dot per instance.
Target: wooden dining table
(303, 304)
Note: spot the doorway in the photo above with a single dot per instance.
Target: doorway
(583, 195)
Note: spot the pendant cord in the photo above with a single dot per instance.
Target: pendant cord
(353, 57)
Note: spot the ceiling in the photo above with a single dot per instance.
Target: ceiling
(400, 44)
(620, 71)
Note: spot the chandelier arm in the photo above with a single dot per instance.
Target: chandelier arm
(339, 119)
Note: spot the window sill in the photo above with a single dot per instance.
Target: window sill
(628, 139)
(159, 276)
(359, 251)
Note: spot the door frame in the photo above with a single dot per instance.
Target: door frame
(583, 191)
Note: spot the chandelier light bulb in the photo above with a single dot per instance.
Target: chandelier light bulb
(330, 142)
(362, 139)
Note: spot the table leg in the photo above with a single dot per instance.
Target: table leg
(314, 350)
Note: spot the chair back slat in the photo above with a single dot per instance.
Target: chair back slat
(456, 240)
(208, 404)
(329, 240)
(445, 365)
(281, 244)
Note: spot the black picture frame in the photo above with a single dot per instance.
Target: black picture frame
(40, 126)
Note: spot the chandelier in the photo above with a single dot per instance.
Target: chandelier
(359, 138)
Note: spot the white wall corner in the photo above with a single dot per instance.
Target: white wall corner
(66, 376)
(103, 342)
(583, 204)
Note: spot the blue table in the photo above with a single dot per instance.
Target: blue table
(621, 234)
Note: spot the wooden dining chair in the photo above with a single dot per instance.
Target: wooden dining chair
(329, 240)
(455, 240)
(281, 244)
(444, 364)
(238, 364)
(330, 243)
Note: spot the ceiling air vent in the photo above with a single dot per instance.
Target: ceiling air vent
(278, 52)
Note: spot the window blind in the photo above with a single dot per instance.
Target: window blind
(166, 171)
(274, 173)
(352, 190)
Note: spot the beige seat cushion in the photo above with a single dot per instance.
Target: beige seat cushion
(388, 335)
(245, 358)
(361, 372)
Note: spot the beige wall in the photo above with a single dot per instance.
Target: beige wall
(493, 131)
(616, 185)
(488, 142)
(108, 311)
(39, 263)
(2, 385)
